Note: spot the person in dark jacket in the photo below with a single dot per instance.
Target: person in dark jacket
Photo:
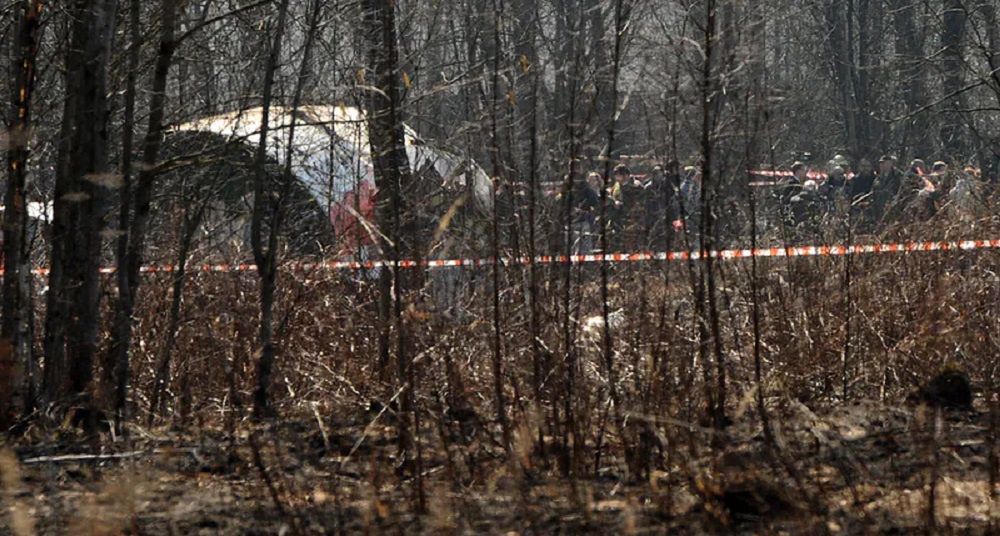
(657, 200)
(835, 185)
(789, 186)
(586, 206)
(885, 189)
(688, 196)
(861, 184)
(622, 202)
(859, 194)
(671, 214)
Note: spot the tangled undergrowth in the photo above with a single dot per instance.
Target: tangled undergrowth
(856, 435)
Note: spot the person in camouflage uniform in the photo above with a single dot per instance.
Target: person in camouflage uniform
(806, 211)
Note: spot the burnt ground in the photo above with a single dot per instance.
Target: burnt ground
(860, 468)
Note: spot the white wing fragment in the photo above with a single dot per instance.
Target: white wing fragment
(331, 155)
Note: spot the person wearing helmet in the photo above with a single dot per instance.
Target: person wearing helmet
(806, 211)
(917, 168)
(942, 177)
(788, 187)
(841, 160)
(833, 192)
(835, 181)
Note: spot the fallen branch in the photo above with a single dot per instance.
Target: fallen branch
(63, 458)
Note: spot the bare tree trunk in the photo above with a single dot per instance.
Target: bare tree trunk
(839, 47)
(912, 75)
(572, 447)
(607, 348)
(392, 178)
(82, 193)
(525, 47)
(600, 61)
(709, 321)
(498, 369)
(54, 377)
(16, 290)
(266, 259)
(616, 60)
(570, 455)
(988, 154)
(131, 243)
(989, 11)
(568, 23)
(526, 50)
(869, 14)
(953, 44)
(125, 194)
(89, 170)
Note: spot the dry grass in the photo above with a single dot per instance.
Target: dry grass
(842, 462)
(18, 514)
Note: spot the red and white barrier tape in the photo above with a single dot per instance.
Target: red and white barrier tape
(726, 254)
(811, 174)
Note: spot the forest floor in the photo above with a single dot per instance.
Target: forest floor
(859, 468)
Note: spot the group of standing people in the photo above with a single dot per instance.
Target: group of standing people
(644, 212)
(872, 199)
(662, 209)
